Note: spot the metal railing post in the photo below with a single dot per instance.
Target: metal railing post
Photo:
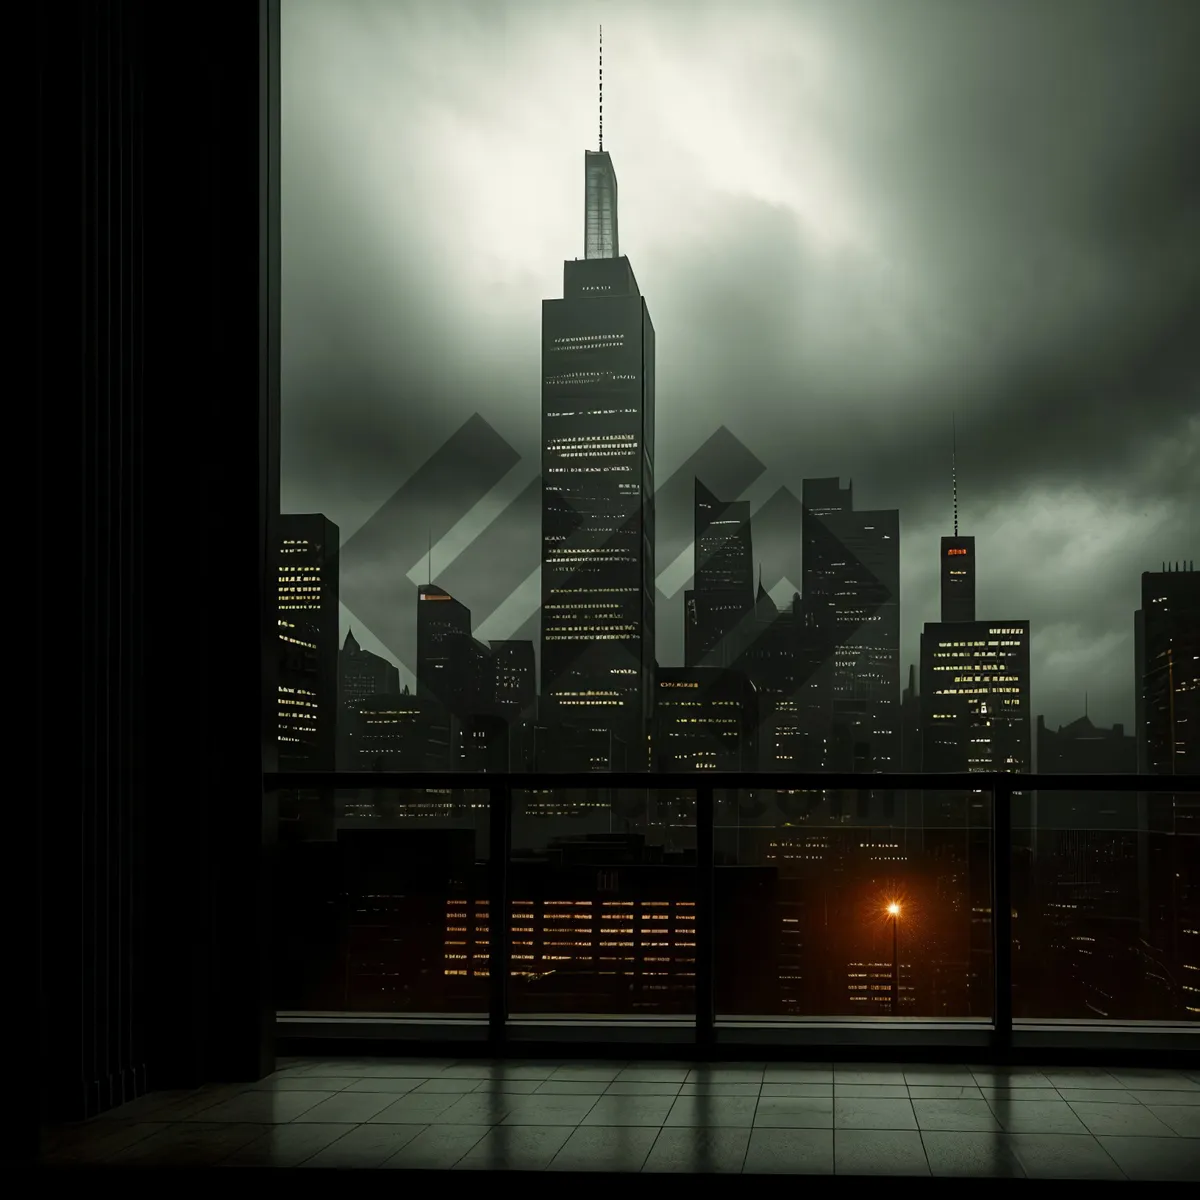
(705, 918)
(499, 945)
(1002, 925)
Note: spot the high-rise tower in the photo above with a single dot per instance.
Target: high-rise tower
(598, 482)
(957, 561)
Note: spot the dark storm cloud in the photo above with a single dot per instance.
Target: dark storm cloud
(850, 220)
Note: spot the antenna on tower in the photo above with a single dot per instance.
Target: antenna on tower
(602, 88)
(429, 556)
(954, 467)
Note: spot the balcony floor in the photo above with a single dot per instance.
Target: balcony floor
(1073, 1123)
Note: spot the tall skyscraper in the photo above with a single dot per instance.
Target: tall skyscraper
(307, 597)
(723, 579)
(454, 669)
(597, 657)
(1169, 823)
(1171, 670)
(852, 591)
(958, 562)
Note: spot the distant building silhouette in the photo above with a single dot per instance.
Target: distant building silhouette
(597, 487)
(958, 579)
(723, 579)
(360, 674)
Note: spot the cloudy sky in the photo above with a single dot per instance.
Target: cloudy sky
(852, 221)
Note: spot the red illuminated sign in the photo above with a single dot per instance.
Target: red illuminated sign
(955, 550)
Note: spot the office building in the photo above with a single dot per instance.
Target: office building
(852, 589)
(597, 611)
(705, 719)
(307, 596)
(453, 668)
(360, 674)
(958, 579)
(1169, 828)
(723, 580)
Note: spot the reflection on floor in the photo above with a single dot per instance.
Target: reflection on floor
(1073, 1124)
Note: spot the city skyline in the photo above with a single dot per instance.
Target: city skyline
(1071, 571)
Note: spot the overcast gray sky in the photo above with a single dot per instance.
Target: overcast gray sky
(850, 220)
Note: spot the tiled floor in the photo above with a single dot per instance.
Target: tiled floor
(1070, 1123)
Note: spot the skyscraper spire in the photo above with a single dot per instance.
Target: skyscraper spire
(954, 467)
(601, 87)
(429, 556)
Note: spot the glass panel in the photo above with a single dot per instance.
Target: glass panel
(853, 904)
(603, 902)
(1106, 888)
(387, 912)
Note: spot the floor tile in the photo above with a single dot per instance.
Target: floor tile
(1184, 1119)
(166, 1106)
(918, 1091)
(347, 1108)
(438, 1147)
(1063, 1156)
(721, 1089)
(478, 1109)
(936, 1076)
(1188, 1098)
(1010, 1077)
(978, 1155)
(878, 1152)
(736, 1111)
(1030, 1093)
(789, 1152)
(572, 1087)
(880, 1074)
(302, 1083)
(1120, 1120)
(478, 1070)
(527, 1148)
(549, 1110)
(1150, 1158)
(397, 1069)
(1083, 1077)
(654, 1073)
(449, 1084)
(1161, 1081)
(396, 1085)
(263, 1108)
(870, 1091)
(364, 1146)
(723, 1074)
(189, 1144)
(591, 1072)
(1096, 1095)
(416, 1110)
(1036, 1116)
(958, 1116)
(794, 1112)
(798, 1073)
(629, 1110)
(873, 1114)
(797, 1089)
(698, 1149)
(96, 1142)
(638, 1087)
(286, 1145)
(607, 1148)
(507, 1087)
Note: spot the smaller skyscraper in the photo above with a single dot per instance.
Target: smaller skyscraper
(723, 579)
(705, 719)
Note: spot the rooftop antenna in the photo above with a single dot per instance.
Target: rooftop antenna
(429, 556)
(954, 467)
(1085, 699)
(601, 89)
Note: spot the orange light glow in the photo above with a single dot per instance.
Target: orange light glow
(893, 909)
(955, 550)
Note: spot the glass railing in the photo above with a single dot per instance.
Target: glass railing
(975, 899)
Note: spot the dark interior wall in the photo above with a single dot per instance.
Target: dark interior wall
(156, 481)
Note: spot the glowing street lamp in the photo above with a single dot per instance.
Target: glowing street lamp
(894, 912)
